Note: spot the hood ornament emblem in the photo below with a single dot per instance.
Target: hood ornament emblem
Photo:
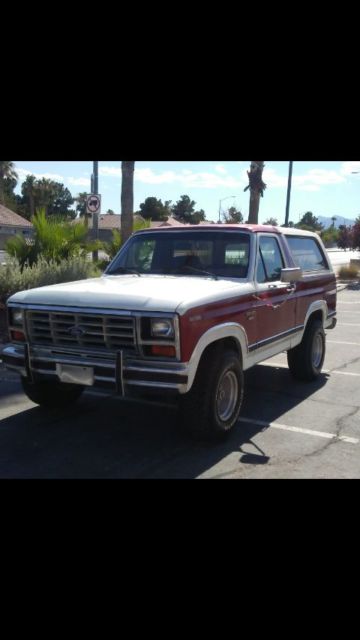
(76, 331)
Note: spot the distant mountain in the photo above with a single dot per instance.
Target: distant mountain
(327, 222)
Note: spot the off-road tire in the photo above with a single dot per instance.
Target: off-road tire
(51, 394)
(211, 408)
(306, 360)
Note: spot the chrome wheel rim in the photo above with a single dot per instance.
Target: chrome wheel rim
(317, 350)
(227, 395)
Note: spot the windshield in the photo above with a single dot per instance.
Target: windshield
(194, 253)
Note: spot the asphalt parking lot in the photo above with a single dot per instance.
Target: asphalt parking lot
(286, 429)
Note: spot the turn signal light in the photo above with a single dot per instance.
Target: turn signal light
(159, 350)
(17, 335)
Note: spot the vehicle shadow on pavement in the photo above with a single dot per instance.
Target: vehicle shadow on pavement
(105, 437)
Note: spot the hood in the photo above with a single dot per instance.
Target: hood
(133, 293)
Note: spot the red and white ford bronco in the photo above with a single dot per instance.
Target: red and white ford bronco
(182, 311)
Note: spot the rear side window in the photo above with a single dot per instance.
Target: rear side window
(307, 253)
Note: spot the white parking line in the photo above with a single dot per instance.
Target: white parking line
(310, 432)
(347, 324)
(355, 344)
(280, 365)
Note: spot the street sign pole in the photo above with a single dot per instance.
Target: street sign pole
(95, 184)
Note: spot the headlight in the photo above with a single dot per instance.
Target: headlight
(17, 317)
(163, 328)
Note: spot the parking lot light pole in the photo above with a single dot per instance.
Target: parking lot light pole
(288, 194)
(220, 201)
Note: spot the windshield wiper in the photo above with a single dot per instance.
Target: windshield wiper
(187, 267)
(118, 270)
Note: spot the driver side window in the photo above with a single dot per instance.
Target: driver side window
(270, 261)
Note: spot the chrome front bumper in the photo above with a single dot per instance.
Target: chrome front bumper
(119, 371)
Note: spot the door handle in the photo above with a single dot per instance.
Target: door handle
(291, 288)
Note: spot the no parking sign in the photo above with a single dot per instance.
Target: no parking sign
(93, 203)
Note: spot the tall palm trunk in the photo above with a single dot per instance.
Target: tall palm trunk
(256, 186)
(127, 199)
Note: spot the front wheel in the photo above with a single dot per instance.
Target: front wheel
(51, 394)
(212, 406)
(306, 360)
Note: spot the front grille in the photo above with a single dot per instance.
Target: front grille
(80, 329)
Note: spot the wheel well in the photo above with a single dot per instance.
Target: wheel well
(316, 315)
(221, 345)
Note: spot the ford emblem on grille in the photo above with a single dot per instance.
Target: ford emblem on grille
(76, 332)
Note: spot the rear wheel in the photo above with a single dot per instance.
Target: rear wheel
(212, 406)
(306, 360)
(51, 394)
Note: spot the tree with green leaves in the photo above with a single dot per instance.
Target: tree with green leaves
(330, 236)
(8, 178)
(154, 209)
(272, 221)
(344, 240)
(127, 198)
(355, 235)
(309, 222)
(184, 211)
(232, 216)
(198, 216)
(61, 202)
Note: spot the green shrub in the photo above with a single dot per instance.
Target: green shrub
(13, 278)
(348, 272)
(54, 240)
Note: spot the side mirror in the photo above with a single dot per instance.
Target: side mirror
(291, 275)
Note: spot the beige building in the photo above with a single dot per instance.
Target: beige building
(11, 223)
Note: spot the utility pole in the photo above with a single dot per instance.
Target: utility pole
(94, 190)
(288, 194)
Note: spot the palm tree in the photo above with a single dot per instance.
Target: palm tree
(7, 171)
(257, 187)
(28, 189)
(127, 198)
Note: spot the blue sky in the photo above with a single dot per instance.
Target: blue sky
(326, 188)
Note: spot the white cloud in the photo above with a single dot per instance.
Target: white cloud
(313, 180)
(187, 178)
(110, 171)
(83, 182)
(348, 167)
(317, 178)
(309, 187)
(273, 179)
(22, 173)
